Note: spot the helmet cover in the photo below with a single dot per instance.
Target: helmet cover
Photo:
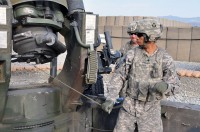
(151, 27)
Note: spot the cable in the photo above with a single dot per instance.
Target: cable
(69, 86)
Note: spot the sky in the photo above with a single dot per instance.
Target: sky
(180, 8)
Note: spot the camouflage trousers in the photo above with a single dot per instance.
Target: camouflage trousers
(139, 116)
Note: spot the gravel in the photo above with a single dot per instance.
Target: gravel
(187, 65)
(25, 78)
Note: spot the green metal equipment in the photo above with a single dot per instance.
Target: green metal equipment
(30, 28)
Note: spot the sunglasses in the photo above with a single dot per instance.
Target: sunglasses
(138, 34)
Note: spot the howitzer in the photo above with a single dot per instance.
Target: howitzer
(31, 28)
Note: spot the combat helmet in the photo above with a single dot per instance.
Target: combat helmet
(150, 27)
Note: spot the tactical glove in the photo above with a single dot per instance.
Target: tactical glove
(161, 87)
(107, 106)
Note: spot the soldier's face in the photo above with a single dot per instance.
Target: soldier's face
(133, 38)
(140, 40)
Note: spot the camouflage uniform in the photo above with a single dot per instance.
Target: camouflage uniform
(142, 104)
(126, 47)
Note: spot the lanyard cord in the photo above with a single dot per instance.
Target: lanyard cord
(68, 86)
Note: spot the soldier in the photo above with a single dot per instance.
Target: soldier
(151, 76)
(130, 44)
(124, 49)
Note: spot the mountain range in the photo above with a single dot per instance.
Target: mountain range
(195, 21)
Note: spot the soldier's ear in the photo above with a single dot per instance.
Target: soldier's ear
(146, 38)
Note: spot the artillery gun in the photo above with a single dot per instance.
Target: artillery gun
(30, 28)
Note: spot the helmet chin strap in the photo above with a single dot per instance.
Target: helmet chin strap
(146, 40)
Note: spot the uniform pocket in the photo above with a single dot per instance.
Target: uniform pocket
(156, 70)
(143, 88)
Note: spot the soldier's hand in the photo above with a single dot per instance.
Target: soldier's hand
(161, 87)
(107, 106)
